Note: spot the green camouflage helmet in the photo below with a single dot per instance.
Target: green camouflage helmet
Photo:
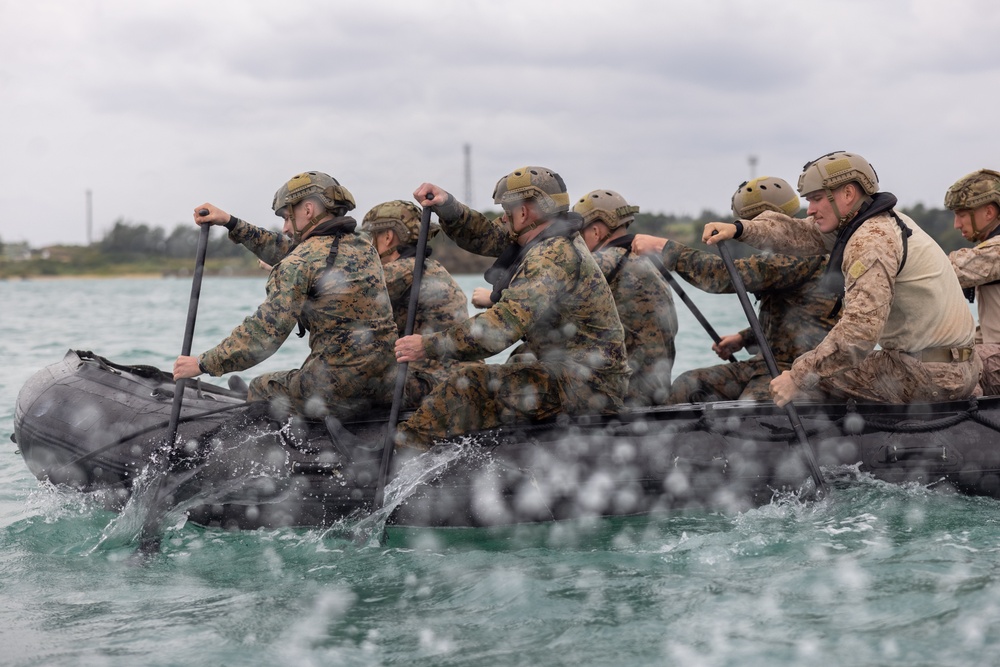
(312, 183)
(974, 190)
(832, 170)
(402, 217)
(605, 206)
(765, 193)
(543, 186)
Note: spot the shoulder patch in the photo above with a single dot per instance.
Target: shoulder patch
(857, 269)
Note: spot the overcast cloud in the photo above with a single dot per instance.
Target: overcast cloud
(157, 106)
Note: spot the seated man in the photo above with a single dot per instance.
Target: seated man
(327, 280)
(394, 227)
(897, 288)
(975, 199)
(795, 312)
(550, 294)
(642, 296)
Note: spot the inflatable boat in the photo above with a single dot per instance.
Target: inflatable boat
(89, 424)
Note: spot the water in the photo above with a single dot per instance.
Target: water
(873, 575)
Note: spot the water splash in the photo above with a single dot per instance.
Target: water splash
(232, 465)
(369, 530)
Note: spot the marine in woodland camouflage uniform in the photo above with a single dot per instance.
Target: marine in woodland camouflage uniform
(327, 281)
(394, 227)
(642, 296)
(975, 199)
(550, 294)
(899, 292)
(794, 312)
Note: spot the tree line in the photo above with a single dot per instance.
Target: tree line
(150, 248)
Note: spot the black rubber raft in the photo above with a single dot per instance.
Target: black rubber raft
(92, 425)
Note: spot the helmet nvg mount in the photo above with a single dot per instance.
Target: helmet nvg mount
(832, 170)
(402, 217)
(543, 186)
(765, 193)
(605, 206)
(324, 187)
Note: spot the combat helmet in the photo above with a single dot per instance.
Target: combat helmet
(830, 171)
(543, 186)
(402, 217)
(332, 194)
(765, 193)
(324, 187)
(838, 168)
(605, 206)
(973, 190)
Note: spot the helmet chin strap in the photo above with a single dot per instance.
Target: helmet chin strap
(843, 219)
(535, 225)
(299, 234)
(518, 235)
(981, 234)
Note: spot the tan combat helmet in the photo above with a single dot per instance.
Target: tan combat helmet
(543, 186)
(605, 206)
(765, 193)
(400, 216)
(324, 187)
(829, 172)
(832, 170)
(972, 191)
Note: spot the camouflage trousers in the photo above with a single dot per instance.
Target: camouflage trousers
(989, 379)
(478, 396)
(423, 376)
(651, 385)
(891, 376)
(742, 380)
(317, 390)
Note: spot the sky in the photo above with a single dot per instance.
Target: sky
(155, 107)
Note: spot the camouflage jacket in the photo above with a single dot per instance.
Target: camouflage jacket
(442, 302)
(979, 268)
(558, 303)
(794, 313)
(646, 308)
(344, 307)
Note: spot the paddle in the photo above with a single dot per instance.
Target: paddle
(149, 539)
(388, 446)
(772, 367)
(669, 277)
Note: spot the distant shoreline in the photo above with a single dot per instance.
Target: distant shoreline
(118, 276)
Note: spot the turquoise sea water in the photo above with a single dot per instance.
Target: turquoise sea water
(872, 575)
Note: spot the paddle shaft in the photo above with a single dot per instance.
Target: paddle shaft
(149, 539)
(388, 447)
(199, 271)
(772, 366)
(669, 277)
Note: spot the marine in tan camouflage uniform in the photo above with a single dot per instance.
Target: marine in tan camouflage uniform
(795, 312)
(975, 199)
(899, 292)
(394, 227)
(327, 280)
(550, 294)
(642, 296)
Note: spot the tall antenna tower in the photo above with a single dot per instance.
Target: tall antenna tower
(467, 150)
(90, 217)
(752, 160)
